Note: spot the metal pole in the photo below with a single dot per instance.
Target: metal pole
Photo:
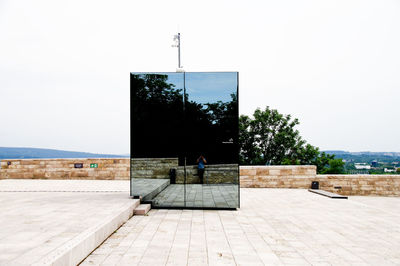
(179, 50)
(184, 128)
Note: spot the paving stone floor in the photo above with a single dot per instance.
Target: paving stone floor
(34, 224)
(148, 188)
(272, 227)
(198, 195)
(43, 185)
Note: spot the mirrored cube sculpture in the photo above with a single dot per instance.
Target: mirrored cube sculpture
(184, 139)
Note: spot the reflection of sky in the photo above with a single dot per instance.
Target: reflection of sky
(209, 87)
(177, 80)
(205, 87)
(174, 78)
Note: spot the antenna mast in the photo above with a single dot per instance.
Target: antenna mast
(177, 40)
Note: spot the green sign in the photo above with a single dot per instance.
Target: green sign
(93, 165)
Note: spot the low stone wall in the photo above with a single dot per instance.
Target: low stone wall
(362, 185)
(277, 176)
(65, 169)
(291, 176)
(157, 168)
(213, 174)
(301, 176)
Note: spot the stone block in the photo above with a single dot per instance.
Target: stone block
(39, 173)
(262, 171)
(286, 172)
(80, 173)
(27, 175)
(274, 171)
(18, 175)
(248, 172)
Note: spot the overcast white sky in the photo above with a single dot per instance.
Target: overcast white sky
(64, 66)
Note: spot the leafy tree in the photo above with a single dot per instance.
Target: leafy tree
(273, 137)
(322, 161)
(270, 138)
(249, 153)
(335, 167)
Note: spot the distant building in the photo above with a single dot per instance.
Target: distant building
(361, 166)
(387, 170)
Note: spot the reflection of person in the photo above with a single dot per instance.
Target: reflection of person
(200, 167)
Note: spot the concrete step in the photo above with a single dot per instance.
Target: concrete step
(142, 209)
(75, 250)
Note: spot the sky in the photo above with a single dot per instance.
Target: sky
(334, 65)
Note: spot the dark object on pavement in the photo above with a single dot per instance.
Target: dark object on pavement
(172, 176)
(314, 185)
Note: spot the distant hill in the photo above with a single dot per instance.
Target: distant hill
(366, 156)
(369, 153)
(32, 153)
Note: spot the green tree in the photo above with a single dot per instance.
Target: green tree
(336, 166)
(250, 154)
(270, 138)
(272, 135)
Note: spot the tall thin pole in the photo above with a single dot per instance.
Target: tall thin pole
(179, 50)
(177, 39)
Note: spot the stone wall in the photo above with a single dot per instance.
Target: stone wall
(277, 176)
(298, 176)
(158, 168)
(153, 167)
(301, 176)
(213, 174)
(362, 185)
(64, 169)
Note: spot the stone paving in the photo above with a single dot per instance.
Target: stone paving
(43, 185)
(272, 227)
(198, 195)
(33, 225)
(148, 188)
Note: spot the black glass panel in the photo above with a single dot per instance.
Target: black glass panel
(157, 115)
(184, 133)
(211, 123)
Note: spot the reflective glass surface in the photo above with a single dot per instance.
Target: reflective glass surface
(184, 139)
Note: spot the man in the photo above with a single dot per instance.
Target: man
(201, 161)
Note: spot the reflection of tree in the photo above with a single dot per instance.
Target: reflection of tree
(161, 128)
(219, 110)
(157, 115)
(223, 114)
(152, 88)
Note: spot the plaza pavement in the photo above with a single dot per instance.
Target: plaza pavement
(57, 221)
(40, 218)
(272, 227)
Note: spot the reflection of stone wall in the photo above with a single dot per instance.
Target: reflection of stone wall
(152, 167)
(213, 174)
